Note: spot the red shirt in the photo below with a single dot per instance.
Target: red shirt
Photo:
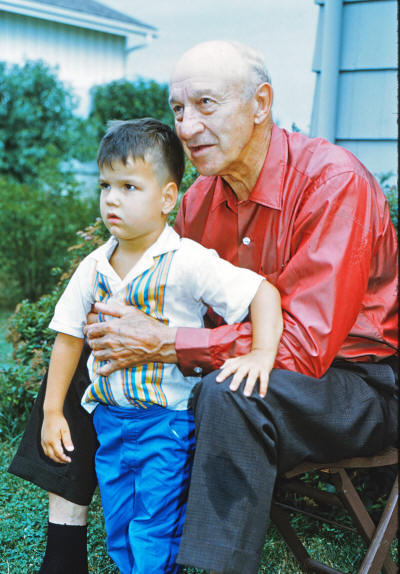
(317, 226)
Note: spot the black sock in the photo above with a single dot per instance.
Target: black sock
(66, 551)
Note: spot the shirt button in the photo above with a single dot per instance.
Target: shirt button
(246, 240)
(197, 370)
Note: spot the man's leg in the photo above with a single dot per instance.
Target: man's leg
(72, 484)
(242, 443)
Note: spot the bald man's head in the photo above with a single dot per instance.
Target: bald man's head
(221, 99)
(232, 61)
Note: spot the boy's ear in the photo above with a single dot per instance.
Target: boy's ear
(169, 196)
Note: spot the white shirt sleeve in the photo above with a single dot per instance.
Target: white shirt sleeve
(226, 288)
(76, 301)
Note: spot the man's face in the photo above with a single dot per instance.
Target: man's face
(213, 119)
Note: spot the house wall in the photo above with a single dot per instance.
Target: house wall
(84, 57)
(365, 115)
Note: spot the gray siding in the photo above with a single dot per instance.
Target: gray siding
(366, 104)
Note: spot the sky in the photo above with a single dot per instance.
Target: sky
(282, 30)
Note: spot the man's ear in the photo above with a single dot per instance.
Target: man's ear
(263, 102)
(169, 196)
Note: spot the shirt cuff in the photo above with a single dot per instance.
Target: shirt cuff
(192, 350)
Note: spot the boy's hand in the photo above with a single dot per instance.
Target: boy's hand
(256, 365)
(55, 437)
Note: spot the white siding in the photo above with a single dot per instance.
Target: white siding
(84, 57)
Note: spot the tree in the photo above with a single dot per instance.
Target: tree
(123, 100)
(36, 112)
(40, 208)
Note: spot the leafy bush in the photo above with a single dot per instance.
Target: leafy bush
(35, 120)
(40, 209)
(124, 100)
(118, 100)
(391, 191)
(37, 225)
(32, 340)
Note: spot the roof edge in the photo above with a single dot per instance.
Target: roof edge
(75, 18)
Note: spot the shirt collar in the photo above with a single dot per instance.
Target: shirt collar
(268, 189)
(168, 240)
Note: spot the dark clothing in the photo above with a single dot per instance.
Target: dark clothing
(243, 443)
(75, 481)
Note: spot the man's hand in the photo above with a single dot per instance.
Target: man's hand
(131, 338)
(55, 435)
(256, 365)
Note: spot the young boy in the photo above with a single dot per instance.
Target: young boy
(142, 415)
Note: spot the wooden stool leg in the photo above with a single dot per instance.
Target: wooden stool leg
(281, 520)
(365, 525)
(384, 534)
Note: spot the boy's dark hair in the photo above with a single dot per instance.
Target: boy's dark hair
(146, 139)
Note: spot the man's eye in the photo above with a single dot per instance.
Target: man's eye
(177, 110)
(205, 100)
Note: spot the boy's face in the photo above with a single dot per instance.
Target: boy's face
(133, 203)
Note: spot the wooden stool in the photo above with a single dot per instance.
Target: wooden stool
(378, 538)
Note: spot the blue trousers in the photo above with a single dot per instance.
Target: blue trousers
(143, 467)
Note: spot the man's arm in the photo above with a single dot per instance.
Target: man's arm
(322, 286)
(131, 338)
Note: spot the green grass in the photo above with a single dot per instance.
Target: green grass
(23, 521)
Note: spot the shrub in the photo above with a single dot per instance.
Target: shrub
(32, 340)
(35, 120)
(124, 100)
(37, 224)
(40, 209)
(391, 191)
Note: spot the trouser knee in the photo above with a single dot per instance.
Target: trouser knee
(208, 395)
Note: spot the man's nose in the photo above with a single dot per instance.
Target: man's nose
(189, 125)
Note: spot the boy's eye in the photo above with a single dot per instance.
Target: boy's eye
(104, 185)
(130, 187)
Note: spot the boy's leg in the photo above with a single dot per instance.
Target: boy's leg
(145, 506)
(73, 484)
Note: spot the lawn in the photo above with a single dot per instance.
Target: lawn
(23, 525)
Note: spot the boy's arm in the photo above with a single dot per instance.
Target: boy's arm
(63, 363)
(267, 322)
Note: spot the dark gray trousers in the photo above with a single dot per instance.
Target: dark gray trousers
(242, 443)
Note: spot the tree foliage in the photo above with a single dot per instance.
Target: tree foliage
(36, 228)
(35, 120)
(124, 100)
(40, 207)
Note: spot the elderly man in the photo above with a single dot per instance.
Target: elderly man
(309, 217)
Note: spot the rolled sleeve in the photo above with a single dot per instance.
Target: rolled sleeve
(208, 349)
